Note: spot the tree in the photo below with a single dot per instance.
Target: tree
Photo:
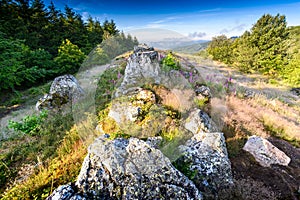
(262, 49)
(221, 49)
(244, 53)
(38, 21)
(269, 35)
(21, 66)
(110, 27)
(69, 57)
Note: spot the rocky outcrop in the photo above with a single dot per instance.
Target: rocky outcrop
(63, 90)
(127, 169)
(206, 160)
(142, 66)
(198, 121)
(163, 125)
(265, 153)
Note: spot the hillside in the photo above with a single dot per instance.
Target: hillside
(190, 49)
(150, 119)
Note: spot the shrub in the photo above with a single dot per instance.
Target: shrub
(69, 57)
(29, 124)
(170, 63)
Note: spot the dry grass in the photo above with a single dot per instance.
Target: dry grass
(252, 118)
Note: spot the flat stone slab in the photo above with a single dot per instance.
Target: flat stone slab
(265, 153)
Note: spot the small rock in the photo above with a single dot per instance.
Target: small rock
(198, 121)
(265, 153)
(203, 91)
(63, 90)
(296, 91)
(146, 96)
(123, 112)
(249, 93)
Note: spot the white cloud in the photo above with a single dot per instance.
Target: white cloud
(197, 35)
(238, 28)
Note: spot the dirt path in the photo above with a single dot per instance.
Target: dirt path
(87, 80)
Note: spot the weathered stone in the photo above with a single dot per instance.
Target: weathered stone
(63, 90)
(142, 48)
(131, 169)
(203, 92)
(123, 112)
(142, 67)
(265, 153)
(205, 157)
(65, 192)
(146, 96)
(154, 141)
(198, 121)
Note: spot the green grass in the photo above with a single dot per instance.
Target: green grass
(28, 96)
(108, 82)
(30, 148)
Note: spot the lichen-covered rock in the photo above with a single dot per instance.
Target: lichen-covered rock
(142, 66)
(205, 160)
(142, 48)
(265, 153)
(198, 121)
(63, 90)
(130, 169)
(123, 112)
(145, 96)
(65, 192)
(203, 91)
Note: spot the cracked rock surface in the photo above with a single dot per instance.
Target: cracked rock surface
(129, 169)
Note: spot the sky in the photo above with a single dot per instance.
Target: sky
(196, 19)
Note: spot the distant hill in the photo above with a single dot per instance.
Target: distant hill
(192, 48)
(164, 39)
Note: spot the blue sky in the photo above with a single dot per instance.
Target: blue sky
(195, 18)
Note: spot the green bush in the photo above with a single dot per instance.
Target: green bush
(29, 124)
(170, 62)
(69, 58)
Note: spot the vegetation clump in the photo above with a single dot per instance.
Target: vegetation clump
(170, 62)
(264, 49)
(29, 124)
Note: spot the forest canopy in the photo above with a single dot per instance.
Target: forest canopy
(39, 42)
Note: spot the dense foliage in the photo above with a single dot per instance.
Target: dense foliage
(29, 124)
(263, 49)
(38, 43)
(170, 62)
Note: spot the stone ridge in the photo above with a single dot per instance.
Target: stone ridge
(119, 168)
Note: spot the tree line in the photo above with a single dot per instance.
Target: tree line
(266, 48)
(38, 43)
